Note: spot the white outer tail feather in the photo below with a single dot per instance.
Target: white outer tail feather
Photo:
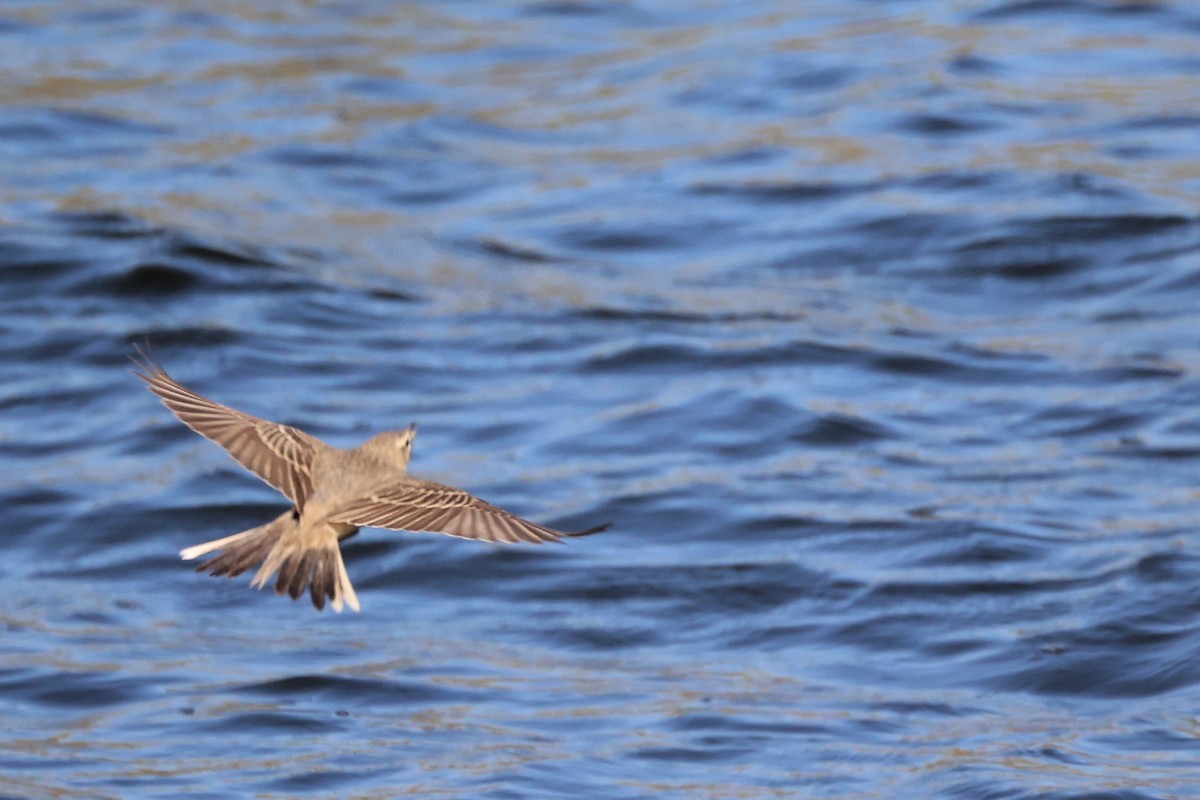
(197, 550)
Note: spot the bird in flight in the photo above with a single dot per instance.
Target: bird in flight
(334, 492)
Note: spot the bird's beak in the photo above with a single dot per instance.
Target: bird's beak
(413, 428)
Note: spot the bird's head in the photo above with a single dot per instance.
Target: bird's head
(393, 447)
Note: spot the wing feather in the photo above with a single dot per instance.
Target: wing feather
(412, 504)
(279, 454)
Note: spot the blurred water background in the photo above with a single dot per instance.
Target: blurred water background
(872, 326)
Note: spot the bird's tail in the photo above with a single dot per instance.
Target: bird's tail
(279, 546)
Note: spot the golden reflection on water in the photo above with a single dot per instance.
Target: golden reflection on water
(210, 89)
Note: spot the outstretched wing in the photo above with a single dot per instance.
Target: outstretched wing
(412, 504)
(279, 454)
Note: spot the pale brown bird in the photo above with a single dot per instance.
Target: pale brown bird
(334, 492)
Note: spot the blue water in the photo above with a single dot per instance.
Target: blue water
(872, 327)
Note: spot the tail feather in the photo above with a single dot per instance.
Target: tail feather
(320, 583)
(294, 584)
(345, 588)
(277, 547)
(238, 552)
(195, 551)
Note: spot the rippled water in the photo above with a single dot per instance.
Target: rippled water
(872, 327)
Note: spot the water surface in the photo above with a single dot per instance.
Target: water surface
(872, 327)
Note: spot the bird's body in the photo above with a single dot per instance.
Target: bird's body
(334, 492)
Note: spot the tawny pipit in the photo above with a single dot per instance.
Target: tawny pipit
(334, 492)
